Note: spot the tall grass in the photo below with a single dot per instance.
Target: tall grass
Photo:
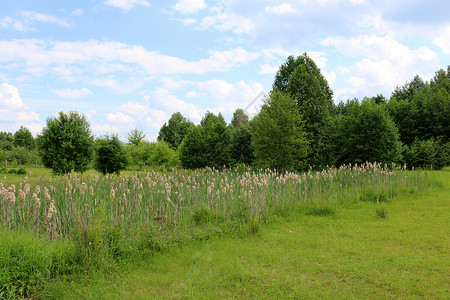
(116, 216)
(59, 207)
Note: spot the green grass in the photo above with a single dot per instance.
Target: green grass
(335, 251)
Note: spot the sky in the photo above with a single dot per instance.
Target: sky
(127, 64)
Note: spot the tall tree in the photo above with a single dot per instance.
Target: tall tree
(66, 143)
(174, 131)
(217, 140)
(301, 79)
(24, 138)
(278, 135)
(192, 150)
(135, 137)
(239, 118)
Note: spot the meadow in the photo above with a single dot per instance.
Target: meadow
(57, 228)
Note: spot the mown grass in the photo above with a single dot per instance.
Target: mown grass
(317, 251)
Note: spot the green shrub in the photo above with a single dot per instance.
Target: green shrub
(381, 212)
(22, 171)
(201, 215)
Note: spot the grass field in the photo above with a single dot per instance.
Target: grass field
(394, 250)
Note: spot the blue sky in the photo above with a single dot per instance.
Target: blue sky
(129, 64)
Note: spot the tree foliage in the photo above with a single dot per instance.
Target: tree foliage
(24, 138)
(239, 118)
(135, 137)
(192, 149)
(368, 134)
(174, 131)
(110, 156)
(301, 79)
(278, 135)
(66, 143)
(207, 144)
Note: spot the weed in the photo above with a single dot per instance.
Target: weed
(381, 212)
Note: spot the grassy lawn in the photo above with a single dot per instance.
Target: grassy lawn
(352, 253)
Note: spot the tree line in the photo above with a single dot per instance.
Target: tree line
(298, 127)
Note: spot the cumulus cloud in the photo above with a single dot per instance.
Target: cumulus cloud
(384, 62)
(127, 4)
(443, 40)
(72, 93)
(163, 98)
(285, 8)
(119, 118)
(10, 97)
(14, 112)
(189, 6)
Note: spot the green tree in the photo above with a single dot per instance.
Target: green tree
(163, 155)
(369, 134)
(207, 145)
(278, 136)
(239, 118)
(301, 79)
(241, 150)
(110, 155)
(66, 143)
(174, 131)
(192, 149)
(216, 140)
(6, 140)
(24, 138)
(135, 137)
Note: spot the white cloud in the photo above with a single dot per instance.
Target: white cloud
(14, 112)
(72, 93)
(99, 129)
(226, 21)
(116, 85)
(119, 118)
(38, 55)
(385, 62)
(220, 89)
(285, 8)
(127, 4)
(171, 103)
(77, 12)
(32, 16)
(10, 97)
(135, 109)
(27, 19)
(330, 77)
(443, 40)
(189, 6)
(268, 69)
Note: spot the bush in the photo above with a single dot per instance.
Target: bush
(66, 143)
(110, 155)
